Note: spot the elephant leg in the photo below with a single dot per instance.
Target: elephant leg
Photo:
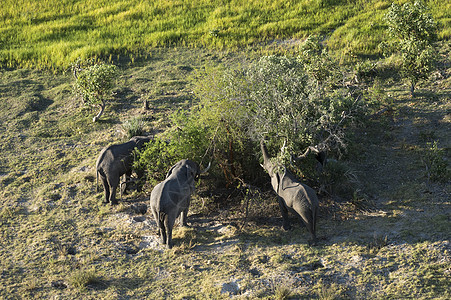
(123, 183)
(161, 218)
(308, 217)
(113, 188)
(169, 223)
(163, 235)
(126, 179)
(301, 221)
(184, 216)
(284, 211)
(159, 224)
(106, 188)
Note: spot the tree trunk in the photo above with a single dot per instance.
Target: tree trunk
(102, 108)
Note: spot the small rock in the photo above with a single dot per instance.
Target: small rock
(131, 249)
(139, 219)
(195, 267)
(71, 251)
(231, 288)
(59, 284)
(139, 208)
(255, 272)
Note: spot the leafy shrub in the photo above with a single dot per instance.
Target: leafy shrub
(435, 163)
(415, 33)
(93, 83)
(184, 140)
(275, 97)
(365, 71)
(155, 159)
(338, 178)
(297, 104)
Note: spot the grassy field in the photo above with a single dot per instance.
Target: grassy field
(390, 240)
(53, 33)
(58, 239)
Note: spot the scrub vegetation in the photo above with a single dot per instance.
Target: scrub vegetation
(383, 227)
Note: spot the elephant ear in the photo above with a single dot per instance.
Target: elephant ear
(170, 171)
(278, 182)
(281, 181)
(275, 182)
(190, 172)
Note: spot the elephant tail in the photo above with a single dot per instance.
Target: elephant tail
(162, 223)
(314, 217)
(97, 180)
(161, 218)
(309, 218)
(99, 171)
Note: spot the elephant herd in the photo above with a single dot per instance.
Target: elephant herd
(170, 198)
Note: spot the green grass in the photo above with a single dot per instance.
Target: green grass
(57, 240)
(53, 33)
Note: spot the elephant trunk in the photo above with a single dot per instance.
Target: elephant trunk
(266, 158)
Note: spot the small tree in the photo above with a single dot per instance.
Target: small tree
(415, 31)
(93, 83)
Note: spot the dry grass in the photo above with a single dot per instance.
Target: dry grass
(58, 240)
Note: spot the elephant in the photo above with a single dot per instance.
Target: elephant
(293, 196)
(115, 161)
(171, 197)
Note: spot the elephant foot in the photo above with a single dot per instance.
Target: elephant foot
(313, 242)
(113, 203)
(183, 224)
(286, 227)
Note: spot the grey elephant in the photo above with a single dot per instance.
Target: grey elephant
(115, 161)
(171, 197)
(293, 196)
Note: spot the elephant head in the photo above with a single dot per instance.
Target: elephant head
(267, 164)
(140, 141)
(270, 167)
(192, 168)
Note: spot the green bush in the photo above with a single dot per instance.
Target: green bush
(155, 160)
(434, 161)
(134, 127)
(184, 140)
(415, 32)
(277, 98)
(94, 82)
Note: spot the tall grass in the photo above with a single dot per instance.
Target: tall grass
(53, 33)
